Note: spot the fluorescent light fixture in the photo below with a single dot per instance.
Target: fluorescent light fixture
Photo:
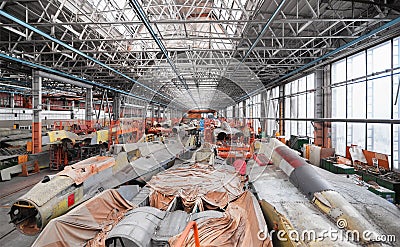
(69, 28)
(14, 31)
(27, 55)
(108, 54)
(13, 86)
(67, 55)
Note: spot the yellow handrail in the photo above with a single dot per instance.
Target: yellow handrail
(185, 233)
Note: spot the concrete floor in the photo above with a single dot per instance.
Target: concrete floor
(8, 235)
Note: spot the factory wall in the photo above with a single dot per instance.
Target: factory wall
(21, 118)
(364, 86)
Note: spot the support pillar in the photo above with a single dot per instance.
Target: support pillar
(264, 122)
(12, 100)
(158, 114)
(116, 107)
(323, 106)
(89, 107)
(37, 109)
(281, 105)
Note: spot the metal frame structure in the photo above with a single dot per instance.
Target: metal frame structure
(212, 53)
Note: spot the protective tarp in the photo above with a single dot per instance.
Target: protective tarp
(87, 224)
(240, 226)
(200, 184)
(59, 135)
(100, 136)
(80, 171)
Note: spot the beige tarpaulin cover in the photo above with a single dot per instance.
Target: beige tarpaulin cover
(239, 227)
(59, 135)
(199, 184)
(89, 221)
(102, 136)
(80, 171)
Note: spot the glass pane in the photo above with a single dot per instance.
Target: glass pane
(288, 88)
(287, 129)
(310, 129)
(379, 138)
(396, 149)
(356, 66)
(356, 134)
(356, 100)
(339, 138)
(293, 107)
(339, 71)
(310, 105)
(311, 81)
(293, 128)
(302, 128)
(339, 102)
(379, 58)
(302, 84)
(302, 106)
(396, 53)
(396, 95)
(295, 86)
(379, 100)
(287, 107)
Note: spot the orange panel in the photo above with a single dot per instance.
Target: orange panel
(383, 159)
(37, 137)
(194, 115)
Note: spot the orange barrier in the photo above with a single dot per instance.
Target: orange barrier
(185, 233)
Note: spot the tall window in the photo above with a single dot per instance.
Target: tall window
(229, 112)
(272, 110)
(396, 103)
(299, 103)
(339, 106)
(364, 86)
(356, 95)
(256, 110)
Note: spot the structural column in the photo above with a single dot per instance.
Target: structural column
(89, 107)
(117, 106)
(281, 105)
(12, 100)
(322, 130)
(37, 109)
(264, 115)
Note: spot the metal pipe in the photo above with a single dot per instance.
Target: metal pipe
(330, 120)
(184, 38)
(63, 79)
(271, 18)
(63, 74)
(45, 35)
(190, 21)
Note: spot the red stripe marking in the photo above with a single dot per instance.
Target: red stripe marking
(290, 156)
(71, 200)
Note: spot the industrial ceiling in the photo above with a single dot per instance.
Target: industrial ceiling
(197, 53)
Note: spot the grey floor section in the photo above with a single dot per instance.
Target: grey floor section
(9, 236)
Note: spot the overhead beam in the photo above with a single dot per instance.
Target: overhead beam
(47, 36)
(160, 44)
(190, 21)
(190, 38)
(326, 56)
